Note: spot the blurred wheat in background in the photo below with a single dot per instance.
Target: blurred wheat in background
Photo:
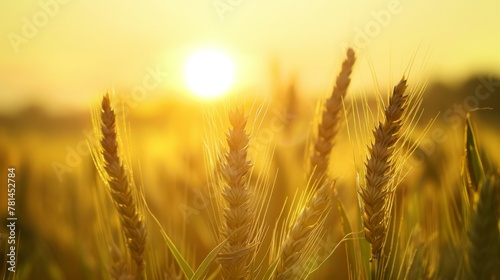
(270, 224)
(229, 171)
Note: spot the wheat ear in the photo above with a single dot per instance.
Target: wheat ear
(121, 189)
(379, 169)
(484, 237)
(304, 231)
(119, 267)
(330, 122)
(237, 194)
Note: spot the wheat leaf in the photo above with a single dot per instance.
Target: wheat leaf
(186, 269)
(474, 164)
(209, 259)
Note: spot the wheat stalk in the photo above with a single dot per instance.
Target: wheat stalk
(483, 236)
(121, 189)
(301, 239)
(237, 194)
(379, 170)
(330, 122)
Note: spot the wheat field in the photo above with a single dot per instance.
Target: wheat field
(246, 189)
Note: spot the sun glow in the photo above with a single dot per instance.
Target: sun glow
(209, 73)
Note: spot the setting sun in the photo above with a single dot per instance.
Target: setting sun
(209, 73)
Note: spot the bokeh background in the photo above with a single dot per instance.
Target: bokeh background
(57, 58)
(67, 51)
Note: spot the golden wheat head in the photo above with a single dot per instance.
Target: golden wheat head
(301, 240)
(330, 122)
(120, 187)
(379, 167)
(237, 194)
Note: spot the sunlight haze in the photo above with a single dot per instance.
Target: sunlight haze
(67, 51)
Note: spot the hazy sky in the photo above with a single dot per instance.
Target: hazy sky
(67, 51)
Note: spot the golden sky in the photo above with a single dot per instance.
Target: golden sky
(64, 52)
